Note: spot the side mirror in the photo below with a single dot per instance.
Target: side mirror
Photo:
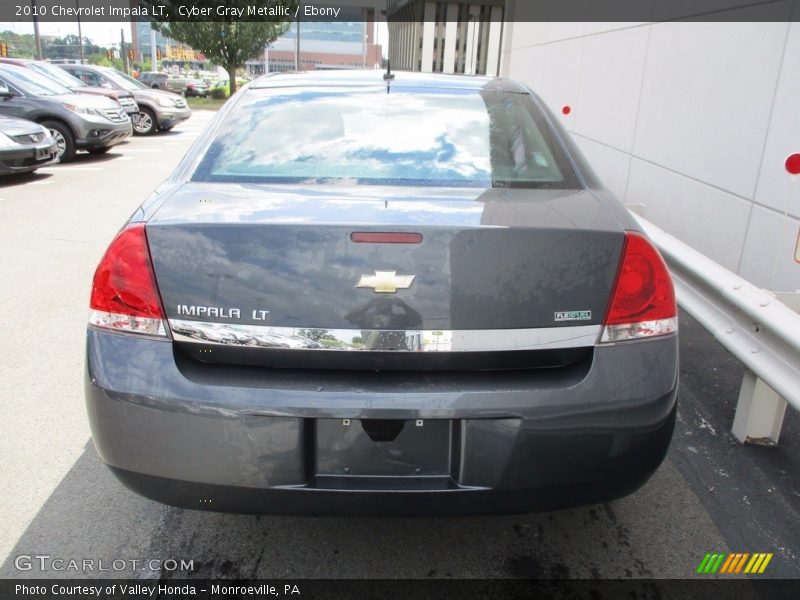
(4, 91)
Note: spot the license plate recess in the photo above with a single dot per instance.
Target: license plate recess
(375, 448)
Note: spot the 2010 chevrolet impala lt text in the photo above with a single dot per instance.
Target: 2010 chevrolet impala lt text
(382, 294)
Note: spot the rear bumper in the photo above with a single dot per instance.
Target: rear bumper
(253, 440)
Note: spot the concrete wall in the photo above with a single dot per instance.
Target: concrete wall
(693, 120)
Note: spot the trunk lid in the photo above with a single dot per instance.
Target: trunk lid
(245, 268)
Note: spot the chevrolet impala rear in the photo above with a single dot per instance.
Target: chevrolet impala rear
(382, 295)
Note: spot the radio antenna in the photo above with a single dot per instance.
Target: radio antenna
(388, 77)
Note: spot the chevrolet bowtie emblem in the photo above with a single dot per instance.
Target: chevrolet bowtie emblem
(385, 282)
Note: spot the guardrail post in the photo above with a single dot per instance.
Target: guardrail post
(760, 329)
(759, 412)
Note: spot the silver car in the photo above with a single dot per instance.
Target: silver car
(24, 146)
(158, 110)
(76, 121)
(51, 71)
(416, 298)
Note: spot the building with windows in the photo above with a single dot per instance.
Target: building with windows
(350, 43)
(140, 36)
(446, 37)
(170, 51)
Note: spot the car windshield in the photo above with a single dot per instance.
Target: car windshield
(426, 136)
(56, 74)
(126, 82)
(33, 83)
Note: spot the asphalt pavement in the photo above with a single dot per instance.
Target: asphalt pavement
(57, 499)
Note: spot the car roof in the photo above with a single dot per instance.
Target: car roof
(14, 67)
(88, 67)
(355, 78)
(20, 62)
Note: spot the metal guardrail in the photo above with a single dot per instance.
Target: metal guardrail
(755, 326)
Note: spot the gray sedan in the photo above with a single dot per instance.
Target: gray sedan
(416, 298)
(24, 146)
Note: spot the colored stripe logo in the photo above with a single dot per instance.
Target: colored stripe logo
(735, 563)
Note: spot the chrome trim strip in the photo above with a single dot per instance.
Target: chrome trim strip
(348, 340)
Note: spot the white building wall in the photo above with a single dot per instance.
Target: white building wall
(451, 29)
(428, 31)
(493, 51)
(472, 31)
(693, 120)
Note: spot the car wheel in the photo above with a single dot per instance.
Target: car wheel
(146, 123)
(102, 150)
(64, 139)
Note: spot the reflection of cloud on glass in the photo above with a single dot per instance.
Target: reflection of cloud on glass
(360, 135)
(322, 204)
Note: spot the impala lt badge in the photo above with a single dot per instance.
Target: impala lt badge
(385, 282)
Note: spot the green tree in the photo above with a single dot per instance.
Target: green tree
(68, 46)
(315, 334)
(19, 45)
(230, 42)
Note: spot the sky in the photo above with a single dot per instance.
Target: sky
(106, 34)
(102, 34)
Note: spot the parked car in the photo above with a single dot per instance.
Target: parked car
(24, 145)
(150, 78)
(224, 86)
(195, 88)
(162, 81)
(158, 110)
(125, 99)
(494, 332)
(76, 121)
(180, 85)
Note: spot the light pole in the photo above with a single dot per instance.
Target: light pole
(364, 57)
(153, 50)
(36, 36)
(297, 44)
(80, 33)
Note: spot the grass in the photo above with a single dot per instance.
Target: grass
(204, 103)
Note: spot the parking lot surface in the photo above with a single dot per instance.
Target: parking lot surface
(57, 499)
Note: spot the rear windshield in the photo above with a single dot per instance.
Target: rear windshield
(431, 137)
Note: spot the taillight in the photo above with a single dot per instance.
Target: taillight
(643, 300)
(124, 293)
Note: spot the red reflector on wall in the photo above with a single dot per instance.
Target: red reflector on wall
(792, 164)
(385, 237)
